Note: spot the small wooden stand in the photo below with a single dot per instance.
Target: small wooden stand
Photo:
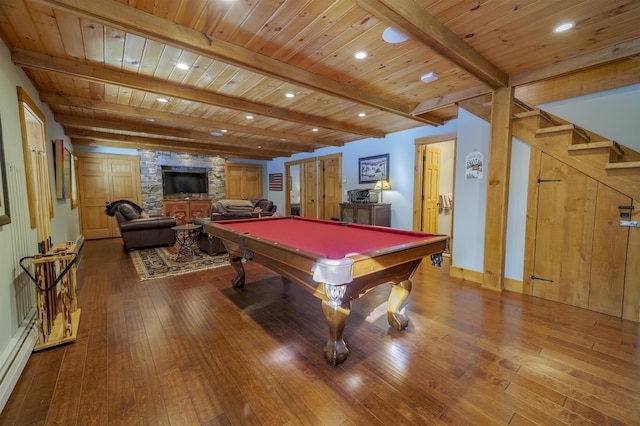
(57, 305)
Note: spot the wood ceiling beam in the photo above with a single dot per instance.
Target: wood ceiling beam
(72, 121)
(139, 142)
(149, 26)
(451, 99)
(162, 117)
(412, 20)
(150, 147)
(90, 72)
(596, 58)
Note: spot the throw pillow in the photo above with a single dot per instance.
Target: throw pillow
(144, 214)
(128, 212)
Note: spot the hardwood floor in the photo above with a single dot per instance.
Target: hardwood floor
(191, 350)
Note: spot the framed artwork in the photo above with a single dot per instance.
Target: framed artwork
(5, 214)
(275, 181)
(373, 169)
(64, 170)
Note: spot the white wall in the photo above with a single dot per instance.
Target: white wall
(614, 114)
(400, 146)
(17, 239)
(470, 195)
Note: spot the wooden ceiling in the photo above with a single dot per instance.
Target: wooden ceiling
(103, 66)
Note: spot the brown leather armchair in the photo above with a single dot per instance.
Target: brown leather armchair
(141, 231)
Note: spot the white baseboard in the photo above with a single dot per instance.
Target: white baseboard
(15, 357)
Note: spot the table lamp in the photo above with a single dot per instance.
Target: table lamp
(382, 185)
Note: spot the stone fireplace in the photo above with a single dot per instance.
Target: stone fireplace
(151, 163)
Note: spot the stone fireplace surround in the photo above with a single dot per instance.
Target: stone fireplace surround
(151, 163)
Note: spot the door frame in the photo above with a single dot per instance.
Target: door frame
(287, 185)
(418, 177)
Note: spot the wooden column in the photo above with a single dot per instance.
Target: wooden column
(499, 166)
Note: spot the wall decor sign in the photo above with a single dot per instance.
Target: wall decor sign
(275, 181)
(474, 164)
(5, 214)
(373, 169)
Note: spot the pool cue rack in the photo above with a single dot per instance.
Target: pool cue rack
(56, 300)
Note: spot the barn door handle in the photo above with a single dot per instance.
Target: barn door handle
(533, 277)
(625, 214)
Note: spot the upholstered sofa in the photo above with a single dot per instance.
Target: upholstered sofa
(139, 230)
(242, 209)
(230, 210)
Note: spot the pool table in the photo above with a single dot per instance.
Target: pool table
(335, 261)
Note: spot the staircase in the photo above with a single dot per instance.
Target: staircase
(604, 160)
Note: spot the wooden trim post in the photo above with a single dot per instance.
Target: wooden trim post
(499, 167)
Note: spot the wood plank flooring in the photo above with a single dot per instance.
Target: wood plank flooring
(191, 350)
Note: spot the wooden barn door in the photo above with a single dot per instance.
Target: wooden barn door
(580, 249)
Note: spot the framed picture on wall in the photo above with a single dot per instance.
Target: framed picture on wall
(5, 216)
(373, 169)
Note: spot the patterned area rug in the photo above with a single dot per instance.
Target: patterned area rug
(161, 262)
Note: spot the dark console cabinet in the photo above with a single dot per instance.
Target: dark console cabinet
(366, 214)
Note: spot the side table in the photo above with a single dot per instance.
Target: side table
(187, 237)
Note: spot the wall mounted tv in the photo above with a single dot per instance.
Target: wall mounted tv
(184, 180)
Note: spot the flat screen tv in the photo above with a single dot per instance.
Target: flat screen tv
(184, 181)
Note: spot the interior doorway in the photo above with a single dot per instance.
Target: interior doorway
(434, 183)
(313, 187)
(293, 191)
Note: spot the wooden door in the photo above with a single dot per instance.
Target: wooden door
(580, 249)
(309, 193)
(101, 180)
(330, 185)
(610, 242)
(431, 189)
(243, 181)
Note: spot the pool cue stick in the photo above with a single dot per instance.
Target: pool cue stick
(65, 294)
(43, 317)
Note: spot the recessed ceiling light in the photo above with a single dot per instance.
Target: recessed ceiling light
(360, 54)
(249, 117)
(151, 120)
(224, 130)
(314, 130)
(564, 27)
(216, 134)
(362, 114)
(290, 95)
(182, 66)
(282, 139)
(392, 35)
(429, 77)
(163, 100)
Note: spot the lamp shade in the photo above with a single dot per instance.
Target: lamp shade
(382, 184)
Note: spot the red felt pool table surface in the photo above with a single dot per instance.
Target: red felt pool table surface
(331, 239)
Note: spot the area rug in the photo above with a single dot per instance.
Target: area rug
(161, 262)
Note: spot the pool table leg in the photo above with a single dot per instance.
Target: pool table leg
(399, 294)
(236, 262)
(335, 351)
